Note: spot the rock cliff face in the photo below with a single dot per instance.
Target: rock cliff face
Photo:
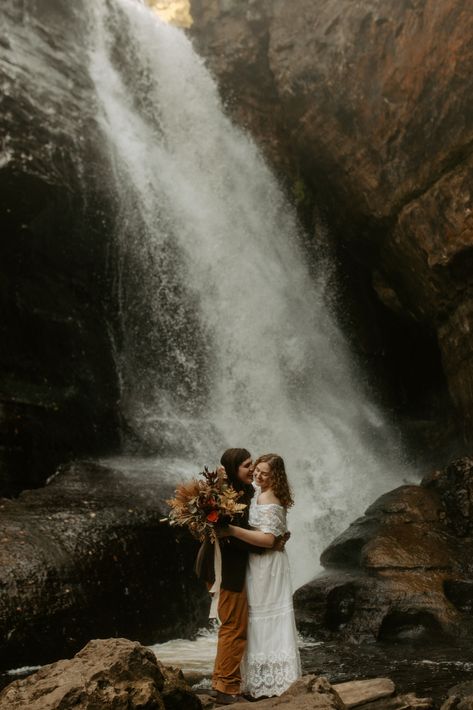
(369, 106)
(58, 387)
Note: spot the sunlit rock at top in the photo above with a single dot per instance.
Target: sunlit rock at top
(176, 12)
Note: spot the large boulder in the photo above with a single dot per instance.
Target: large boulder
(368, 106)
(89, 555)
(459, 697)
(58, 381)
(404, 569)
(106, 673)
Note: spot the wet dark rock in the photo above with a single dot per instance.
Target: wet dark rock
(459, 697)
(460, 594)
(106, 673)
(58, 384)
(176, 692)
(454, 486)
(407, 701)
(403, 570)
(87, 555)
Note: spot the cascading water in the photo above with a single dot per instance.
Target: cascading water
(226, 337)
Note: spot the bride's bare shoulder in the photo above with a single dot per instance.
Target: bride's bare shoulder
(268, 497)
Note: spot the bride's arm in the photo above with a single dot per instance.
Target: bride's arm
(253, 537)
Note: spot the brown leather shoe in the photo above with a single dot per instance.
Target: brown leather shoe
(226, 699)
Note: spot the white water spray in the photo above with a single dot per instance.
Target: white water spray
(227, 339)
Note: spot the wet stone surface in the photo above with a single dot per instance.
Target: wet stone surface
(426, 669)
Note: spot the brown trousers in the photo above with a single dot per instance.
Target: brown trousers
(233, 614)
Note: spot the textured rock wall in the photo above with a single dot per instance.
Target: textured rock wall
(402, 570)
(87, 555)
(58, 387)
(370, 105)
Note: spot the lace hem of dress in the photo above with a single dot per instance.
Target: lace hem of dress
(272, 674)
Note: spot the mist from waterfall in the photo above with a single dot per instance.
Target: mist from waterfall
(226, 338)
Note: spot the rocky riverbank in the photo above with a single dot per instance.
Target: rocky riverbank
(119, 673)
(88, 555)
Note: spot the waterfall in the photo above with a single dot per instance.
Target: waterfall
(226, 336)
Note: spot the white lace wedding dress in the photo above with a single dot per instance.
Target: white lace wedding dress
(271, 661)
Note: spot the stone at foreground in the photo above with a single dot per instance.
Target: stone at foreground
(177, 693)
(459, 697)
(312, 691)
(405, 701)
(403, 570)
(87, 555)
(107, 673)
(357, 692)
(308, 692)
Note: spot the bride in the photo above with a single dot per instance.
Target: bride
(271, 661)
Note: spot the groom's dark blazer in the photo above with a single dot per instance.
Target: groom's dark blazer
(234, 558)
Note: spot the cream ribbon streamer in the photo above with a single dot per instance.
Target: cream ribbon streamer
(215, 589)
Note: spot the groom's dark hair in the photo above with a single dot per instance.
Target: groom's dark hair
(231, 461)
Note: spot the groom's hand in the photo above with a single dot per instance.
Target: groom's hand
(280, 542)
(222, 531)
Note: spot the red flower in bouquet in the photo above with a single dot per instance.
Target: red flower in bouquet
(213, 516)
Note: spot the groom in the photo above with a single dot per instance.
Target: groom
(232, 604)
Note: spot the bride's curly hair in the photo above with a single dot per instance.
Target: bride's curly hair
(279, 483)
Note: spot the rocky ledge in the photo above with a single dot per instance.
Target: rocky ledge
(88, 555)
(404, 569)
(122, 674)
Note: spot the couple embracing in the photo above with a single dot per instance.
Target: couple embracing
(257, 653)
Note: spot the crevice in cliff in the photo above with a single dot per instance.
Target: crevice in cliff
(458, 158)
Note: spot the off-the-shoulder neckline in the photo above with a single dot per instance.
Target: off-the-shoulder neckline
(257, 489)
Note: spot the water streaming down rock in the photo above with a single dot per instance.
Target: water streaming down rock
(226, 337)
